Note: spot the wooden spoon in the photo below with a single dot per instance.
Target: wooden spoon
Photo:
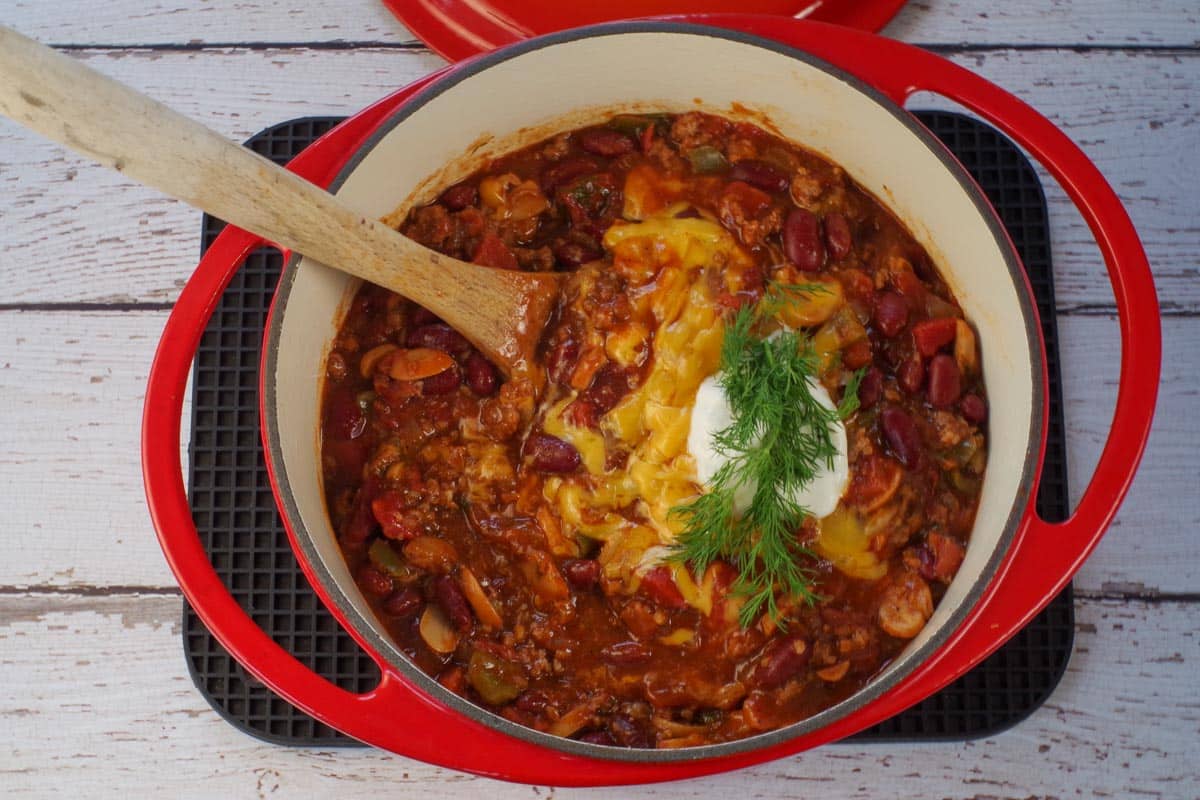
(501, 312)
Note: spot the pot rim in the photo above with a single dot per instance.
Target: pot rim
(384, 650)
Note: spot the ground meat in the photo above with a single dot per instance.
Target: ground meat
(806, 189)
(747, 212)
(539, 259)
(430, 226)
(557, 147)
(740, 148)
(698, 130)
(665, 156)
(950, 428)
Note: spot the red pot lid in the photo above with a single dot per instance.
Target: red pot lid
(458, 29)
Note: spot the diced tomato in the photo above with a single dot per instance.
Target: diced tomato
(909, 285)
(875, 479)
(659, 585)
(494, 253)
(858, 354)
(932, 335)
(388, 510)
(947, 556)
(750, 201)
(647, 138)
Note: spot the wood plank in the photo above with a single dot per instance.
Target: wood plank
(70, 479)
(125, 244)
(130, 22)
(1121, 723)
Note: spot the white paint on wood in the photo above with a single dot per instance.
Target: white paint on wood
(124, 243)
(950, 22)
(95, 698)
(70, 478)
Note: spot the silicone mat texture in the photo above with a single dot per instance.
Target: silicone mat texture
(235, 511)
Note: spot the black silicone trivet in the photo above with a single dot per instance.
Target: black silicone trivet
(236, 516)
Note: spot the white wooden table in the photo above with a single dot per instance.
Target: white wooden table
(95, 699)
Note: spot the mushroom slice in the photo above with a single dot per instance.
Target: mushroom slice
(480, 603)
(437, 631)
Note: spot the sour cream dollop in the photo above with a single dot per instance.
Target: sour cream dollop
(712, 413)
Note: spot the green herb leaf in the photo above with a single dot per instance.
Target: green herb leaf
(778, 439)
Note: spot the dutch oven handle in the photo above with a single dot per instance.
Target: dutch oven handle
(1053, 552)
(1050, 553)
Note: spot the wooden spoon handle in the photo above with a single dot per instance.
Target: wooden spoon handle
(140, 137)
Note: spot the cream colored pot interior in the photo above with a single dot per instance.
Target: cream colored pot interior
(561, 86)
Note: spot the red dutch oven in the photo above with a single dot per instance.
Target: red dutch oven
(833, 89)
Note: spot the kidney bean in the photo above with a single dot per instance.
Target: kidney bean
(373, 581)
(557, 174)
(582, 573)
(423, 316)
(403, 603)
(605, 142)
(444, 382)
(782, 661)
(624, 653)
(607, 388)
(459, 196)
(760, 175)
(945, 381)
(925, 561)
(659, 585)
(628, 733)
(900, 432)
(837, 235)
(891, 313)
(911, 375)
(453, 603)
(438, 336)
(973, 408)
(802, 240)
(597, 737)
(551, 454)
(571, 255)
(481, 375)
(531, 702)
(871, 388)
(560, 361)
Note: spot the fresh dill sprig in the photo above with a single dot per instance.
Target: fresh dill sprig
(777, 441)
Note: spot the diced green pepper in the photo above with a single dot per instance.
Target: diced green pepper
(635, 124)
(496, 680)
(963, 483)
(706, 160)
(388, 560)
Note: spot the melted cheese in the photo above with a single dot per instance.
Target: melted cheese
(674, 265)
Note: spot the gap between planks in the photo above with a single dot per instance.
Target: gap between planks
(1131, 593)
(92, 691)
